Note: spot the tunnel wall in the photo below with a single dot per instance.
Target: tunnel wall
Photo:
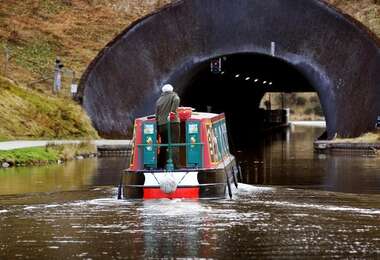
(336, 54)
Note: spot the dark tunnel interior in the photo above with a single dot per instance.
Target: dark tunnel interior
(237, 86)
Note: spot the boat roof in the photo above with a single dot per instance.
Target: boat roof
(194, 115)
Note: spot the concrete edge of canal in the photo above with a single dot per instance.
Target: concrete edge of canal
(347, 147)
(100, 144)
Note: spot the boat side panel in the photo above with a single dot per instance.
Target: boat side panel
(138, 140)
(205, 141)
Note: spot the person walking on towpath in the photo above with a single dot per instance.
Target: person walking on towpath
(166, 109)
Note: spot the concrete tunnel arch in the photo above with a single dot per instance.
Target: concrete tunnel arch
(337, 56)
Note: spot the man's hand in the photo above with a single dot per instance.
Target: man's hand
(171, 116)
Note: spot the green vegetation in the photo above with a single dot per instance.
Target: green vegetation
(37, 56)
(45, 155)
(372, 137)
(52, 7)
(315, 110)
(300, 101)
(314, 99)
(308, 111)
(318, 110)
(69, 151)
(29, 156)
(36, 31)
(303, 106)
(28, 114)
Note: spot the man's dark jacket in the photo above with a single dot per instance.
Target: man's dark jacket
(168, 102)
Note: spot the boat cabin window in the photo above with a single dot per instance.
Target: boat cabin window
(131, 162)
(218, 141)
(212, 142)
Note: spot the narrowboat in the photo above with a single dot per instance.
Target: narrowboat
(207, 169)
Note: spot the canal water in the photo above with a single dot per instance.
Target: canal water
(293, 204)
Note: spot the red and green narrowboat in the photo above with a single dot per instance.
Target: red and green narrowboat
(207, 167)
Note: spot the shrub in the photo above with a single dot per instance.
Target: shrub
(318, 110)
(314, 99)
(308, 111)
(300, 101)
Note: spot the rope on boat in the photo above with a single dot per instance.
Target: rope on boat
(120, 189)
(156, 178)
(229, 186)
(228, 180)
(183, 178)
(234, 177)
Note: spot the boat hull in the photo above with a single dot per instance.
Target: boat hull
(190, 183)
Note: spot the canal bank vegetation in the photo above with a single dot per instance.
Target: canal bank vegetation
(372, 137)
(303, 106)
(51, 153)
(27, 114)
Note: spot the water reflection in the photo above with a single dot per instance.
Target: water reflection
(287, 158)
(74, 175)
(284, 158)
(181, 240)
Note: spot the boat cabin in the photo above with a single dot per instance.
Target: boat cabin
(204, 142)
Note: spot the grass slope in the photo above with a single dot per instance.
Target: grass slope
(28, 114)
(44, 155)
(36, 31)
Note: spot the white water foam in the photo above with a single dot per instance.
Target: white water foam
(242, 187)
(173, 208)
(321, 124)
(30, 208)
(324, 207)
(107, 202)
(51, 206)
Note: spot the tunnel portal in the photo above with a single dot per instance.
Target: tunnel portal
(238, 87)
(264, 46)
(241, 83)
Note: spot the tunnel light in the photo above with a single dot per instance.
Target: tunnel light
(247, 78)
(256, 80)
(237, 75)
(216, 65)
(264, 82)
(270, 83)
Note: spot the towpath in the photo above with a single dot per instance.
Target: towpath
(10, 145)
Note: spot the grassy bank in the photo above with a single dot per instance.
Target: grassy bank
(366, 138)
(36, 31)
(27, 114)
(44, 155)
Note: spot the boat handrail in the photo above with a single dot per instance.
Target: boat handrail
(166, 145)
